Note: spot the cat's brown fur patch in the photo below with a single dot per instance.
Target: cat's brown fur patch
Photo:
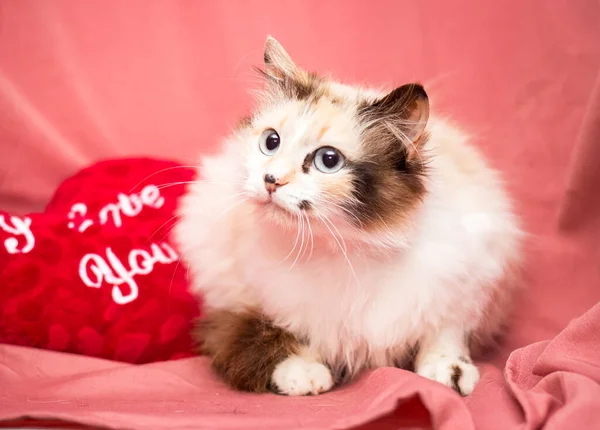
(389, 179)
(384, 195)
(307, 162)
(244, 347)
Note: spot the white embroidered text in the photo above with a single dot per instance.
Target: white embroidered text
(17, 227)
(94, 269)
(131, 205)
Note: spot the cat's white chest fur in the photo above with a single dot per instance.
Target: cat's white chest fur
(367, 304)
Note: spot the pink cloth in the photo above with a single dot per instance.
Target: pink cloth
(86, 80)
(554, 384)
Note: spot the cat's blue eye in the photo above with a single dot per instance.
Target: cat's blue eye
(328, 160)
(269, 142)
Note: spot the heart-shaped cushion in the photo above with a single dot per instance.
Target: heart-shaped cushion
(97, 273)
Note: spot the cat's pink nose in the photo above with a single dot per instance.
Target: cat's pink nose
(272, 183)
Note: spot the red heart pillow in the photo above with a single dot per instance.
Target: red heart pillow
(96, 273)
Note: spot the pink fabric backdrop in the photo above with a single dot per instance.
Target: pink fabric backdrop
(80, 81)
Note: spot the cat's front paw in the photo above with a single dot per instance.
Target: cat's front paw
(297, 376)
(455, 372)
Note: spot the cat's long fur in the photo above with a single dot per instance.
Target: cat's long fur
(409, 247)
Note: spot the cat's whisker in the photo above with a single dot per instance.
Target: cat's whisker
(161, 226)
(312, 239)
(345, 210)
(326, 218)
(160, 171)
(295, 242)
(169, 232)
(173, 277)
(384, 223)
(326, 201)
(199, 182)
(301, 243)
(177, 216)
(304, 233)
(340, 246)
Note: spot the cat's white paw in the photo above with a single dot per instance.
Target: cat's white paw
(455, 372)
(297, 376)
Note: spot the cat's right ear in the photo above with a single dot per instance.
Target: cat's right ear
(405, 110)
(278, 63)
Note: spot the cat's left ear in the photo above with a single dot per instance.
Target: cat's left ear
(278, 63)
(406, 109)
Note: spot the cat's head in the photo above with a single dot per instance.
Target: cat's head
(319, 148)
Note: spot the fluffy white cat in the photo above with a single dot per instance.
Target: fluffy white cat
(342, 228)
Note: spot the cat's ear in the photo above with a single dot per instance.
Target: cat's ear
(404, 110)
(278, 63)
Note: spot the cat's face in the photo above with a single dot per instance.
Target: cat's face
(299, 158)
(320, 149)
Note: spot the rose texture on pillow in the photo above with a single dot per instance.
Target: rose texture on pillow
(96, 272)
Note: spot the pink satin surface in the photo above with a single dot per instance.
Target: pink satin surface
(82, 81)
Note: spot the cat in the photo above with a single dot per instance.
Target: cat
(341, 228)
